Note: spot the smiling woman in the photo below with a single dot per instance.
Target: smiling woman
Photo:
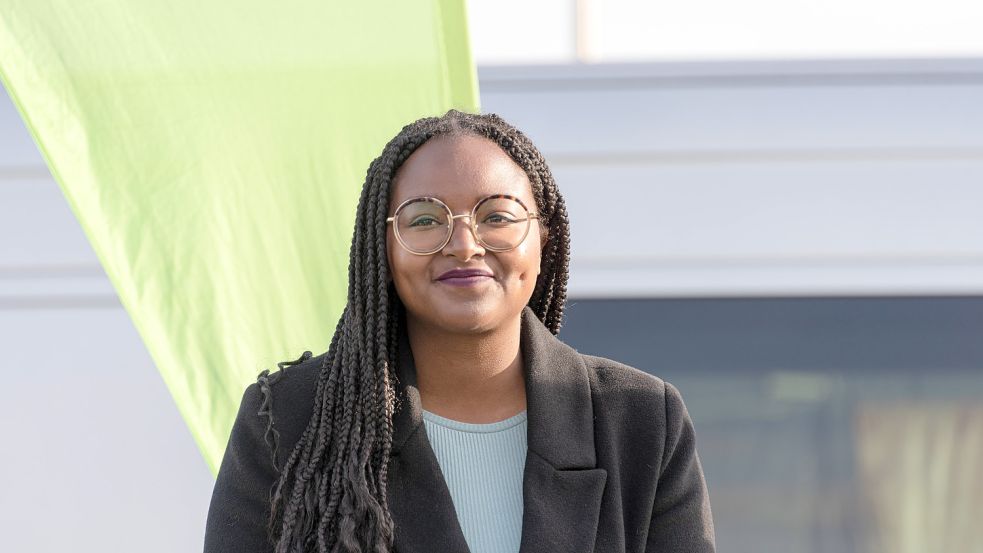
(446, 415)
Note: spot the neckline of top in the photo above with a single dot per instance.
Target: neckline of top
(475, 427)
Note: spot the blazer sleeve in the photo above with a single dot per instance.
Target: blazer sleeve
(239, 508)
(681, 519)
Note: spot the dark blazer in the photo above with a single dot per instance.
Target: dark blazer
(611, 464)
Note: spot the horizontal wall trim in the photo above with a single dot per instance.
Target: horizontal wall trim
(818, 261)
(59, 302)
(24, 172)
(695, 156)
(769, 291)
(710, 279)
(68, 270)
(710, 74)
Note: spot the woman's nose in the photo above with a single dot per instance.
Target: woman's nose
(463, 243)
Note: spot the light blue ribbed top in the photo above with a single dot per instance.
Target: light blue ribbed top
(482, 465)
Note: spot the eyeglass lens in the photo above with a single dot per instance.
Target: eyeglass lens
(424, 225)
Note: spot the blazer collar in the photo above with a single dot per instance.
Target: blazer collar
(561, 487)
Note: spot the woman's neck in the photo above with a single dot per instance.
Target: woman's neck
(475, 378)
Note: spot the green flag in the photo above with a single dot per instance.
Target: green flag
(213, 153)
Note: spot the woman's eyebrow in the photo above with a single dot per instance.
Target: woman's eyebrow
(473, 200)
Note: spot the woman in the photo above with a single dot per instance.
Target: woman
(445, 415)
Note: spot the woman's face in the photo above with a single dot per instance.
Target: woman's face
(460, 170)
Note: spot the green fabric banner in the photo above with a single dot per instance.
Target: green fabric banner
(213, 153)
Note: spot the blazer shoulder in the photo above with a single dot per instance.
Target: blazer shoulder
(633, 395)
(293, 379)
(612, 377)
(286, 397)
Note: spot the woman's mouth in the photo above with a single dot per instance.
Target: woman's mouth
(465, 277)
(463, 281)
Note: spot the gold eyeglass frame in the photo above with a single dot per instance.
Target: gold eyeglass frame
(471, 217)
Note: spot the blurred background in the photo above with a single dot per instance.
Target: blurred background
(776, 206)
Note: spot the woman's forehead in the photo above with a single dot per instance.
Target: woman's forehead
(459, 169)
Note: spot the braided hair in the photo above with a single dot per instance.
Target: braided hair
(331, 494)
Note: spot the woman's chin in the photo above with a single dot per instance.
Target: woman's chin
(465, 323)
(465, 318)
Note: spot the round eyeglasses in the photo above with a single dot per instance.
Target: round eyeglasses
(424, 225)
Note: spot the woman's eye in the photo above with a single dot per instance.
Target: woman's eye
(424, 222)
(499, 219)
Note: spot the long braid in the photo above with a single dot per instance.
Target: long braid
(331, 494)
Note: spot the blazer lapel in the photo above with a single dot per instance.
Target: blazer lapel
(419, 501)
(561, 487)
